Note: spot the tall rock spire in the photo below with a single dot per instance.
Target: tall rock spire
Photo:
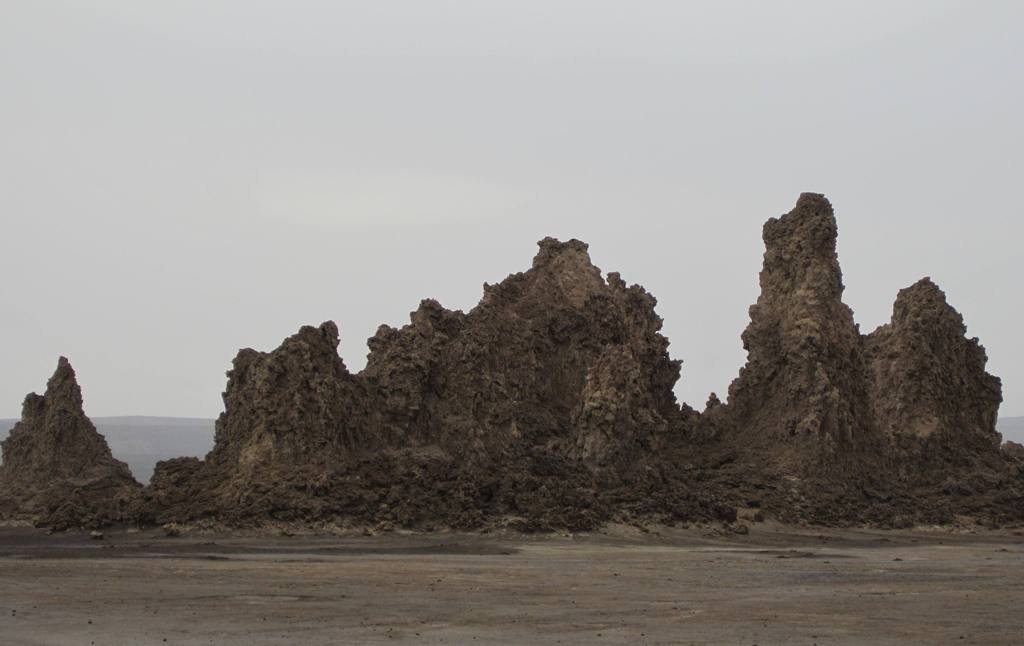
(802, 388)
(57, 468)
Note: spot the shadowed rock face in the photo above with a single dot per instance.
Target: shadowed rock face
(801, 399)
(403, 369)
(558, 381)
(57, 469)
(550, 405)
(555, 357)
(291, 416)
(828, 425)
(290, 406)
(929, 389)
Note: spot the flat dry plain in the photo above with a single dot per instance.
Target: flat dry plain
(777, 585)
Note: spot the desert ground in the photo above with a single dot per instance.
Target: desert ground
(699, 585)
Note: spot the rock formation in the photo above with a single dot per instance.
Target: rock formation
(554, 390)
(555, 357)
(290, 406)
(829, 425)
(57, 469)
(800, 401)
(550, 405)
(931, 396)
(929, 389)
(290, 418)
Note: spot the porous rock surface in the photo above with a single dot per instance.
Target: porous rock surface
(929, 387)
(828, 425)
(937, 405)
(539, 408)
(550, 405)
(800, 400)
(555, 358)
(57, 469)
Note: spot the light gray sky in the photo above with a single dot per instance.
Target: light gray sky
(182, 179)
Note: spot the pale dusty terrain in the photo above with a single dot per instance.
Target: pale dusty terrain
(696, 586)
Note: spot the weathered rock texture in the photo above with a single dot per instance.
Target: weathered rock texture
(57, 469)
(291, 406)
(550, 405)
(539, 408)
(801, 399)
(929, 388)
(828, 425)
(937, 405)
(555, 358)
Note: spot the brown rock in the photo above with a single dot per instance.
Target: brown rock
(57, 469)
(800, 402)
(557, 381)
(289, 406)
(929, 389)
(550, 405)
(403, 369)
(290, 417)
(826, 425)
(1014, 452)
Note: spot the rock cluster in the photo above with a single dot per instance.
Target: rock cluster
(540, 408)
(57, 469)
(550, 405)
(836, 426)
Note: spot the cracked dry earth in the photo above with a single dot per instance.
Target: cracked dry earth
(776, 585)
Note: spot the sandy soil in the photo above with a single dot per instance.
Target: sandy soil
(774, 586)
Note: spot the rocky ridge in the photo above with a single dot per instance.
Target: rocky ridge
(550, 405)
(537, 409)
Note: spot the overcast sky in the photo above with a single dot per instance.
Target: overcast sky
(182, 179)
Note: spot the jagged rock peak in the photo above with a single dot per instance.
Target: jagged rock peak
(559, 268)
(62, 393)
(287, 405)
(799, 313)
(54, 456)
(55, 439)
(800, 250)
(804, 376)
(928, 381)
(800, 309)
(326, 332)
(428, 320)
(552, 249)
(64, 381)
(306, 345)
(713, 402)
(924, 300)
(310, 345)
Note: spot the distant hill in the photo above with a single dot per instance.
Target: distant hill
(1012, 428)
(143, 441)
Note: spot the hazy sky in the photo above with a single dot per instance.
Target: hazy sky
(182, 179)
